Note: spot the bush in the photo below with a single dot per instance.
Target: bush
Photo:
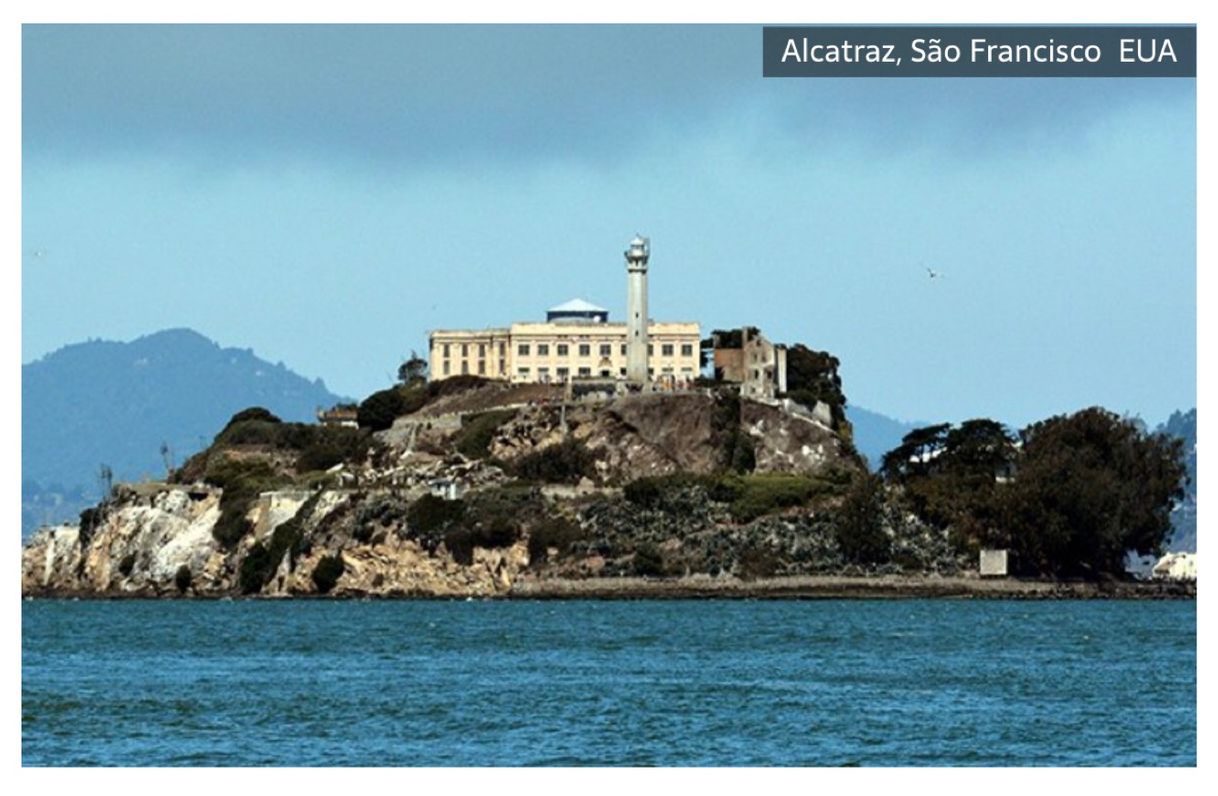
(430, 513)
(477, 431)
(557, 532)
(859, 523)
(254, 568)
(461, 541)
(651, 492)
(182, 579)
(757, 562)
(330, 446)
(647, 560)
(327, 572)
(566, 462)
(90, 520)
(378, 411)
(760, 494)
(252, 413)
(242, 482)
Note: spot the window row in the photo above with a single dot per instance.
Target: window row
(604, 349)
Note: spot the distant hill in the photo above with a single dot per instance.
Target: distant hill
(876, 434)
(114, 403)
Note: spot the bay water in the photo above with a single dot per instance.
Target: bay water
(648, 682)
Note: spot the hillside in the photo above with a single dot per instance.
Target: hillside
(876, 434)
(472, 490)
(116, 403)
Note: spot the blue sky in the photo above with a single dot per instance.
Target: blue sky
(325, 195)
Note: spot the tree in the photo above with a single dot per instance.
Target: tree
(950, 476)
(379, 410)
(413, 370)
(1089, 487)
(859, 522)
(812, 376)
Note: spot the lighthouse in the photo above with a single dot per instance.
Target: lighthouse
(636, 310)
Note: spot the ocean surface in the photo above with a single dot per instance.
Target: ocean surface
(666, 683)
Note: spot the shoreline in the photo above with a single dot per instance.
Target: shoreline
(796, 587)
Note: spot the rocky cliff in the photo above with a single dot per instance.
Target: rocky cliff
(471, 503)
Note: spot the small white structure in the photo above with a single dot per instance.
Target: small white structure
(993, 563)
(446, 488)
(1176, 566)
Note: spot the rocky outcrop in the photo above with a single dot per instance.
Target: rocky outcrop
(365, 527)
(634, 436)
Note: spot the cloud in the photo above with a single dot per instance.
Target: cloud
(421, 97)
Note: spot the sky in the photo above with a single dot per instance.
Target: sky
(325, 195)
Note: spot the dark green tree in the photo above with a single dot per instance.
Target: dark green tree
(1090, 487)
(413, 371)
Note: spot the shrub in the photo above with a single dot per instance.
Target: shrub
(557, 532)
(253, 573)
(859, 523)
(430, 513)
(565, 462)
(252, 413)
(327, 572)
(182, 579)
(378, 411)
(647, 560)
(757, 562)
(651, 492)
(461, 541)
(477, 431)
(242, 482)
(90, 520)
(330, 446)
(127, 565)
(744, 454)
(760, 494)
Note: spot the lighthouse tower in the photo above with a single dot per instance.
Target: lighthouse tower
(636, 310)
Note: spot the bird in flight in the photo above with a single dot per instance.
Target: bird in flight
(933, 274)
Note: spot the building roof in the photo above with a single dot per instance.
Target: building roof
(577, 305)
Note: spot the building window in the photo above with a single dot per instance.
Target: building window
(464, 368)
(446, 367)
(464, 350)
(666, 350)
(543, 375)
(502, 367)
(623, 349)
(621, 372)
(651, 350)
(585, 371)
(481, 350)
(502, 349)
(524, 372)
(606, 349)
(687, 349)
(481, 367)
(585, 350)
(522, 349)
(562, 349)
(543, 349)
(562, 373)
(666, 371)
(605, 374)
(446, 350)
(687, 371)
